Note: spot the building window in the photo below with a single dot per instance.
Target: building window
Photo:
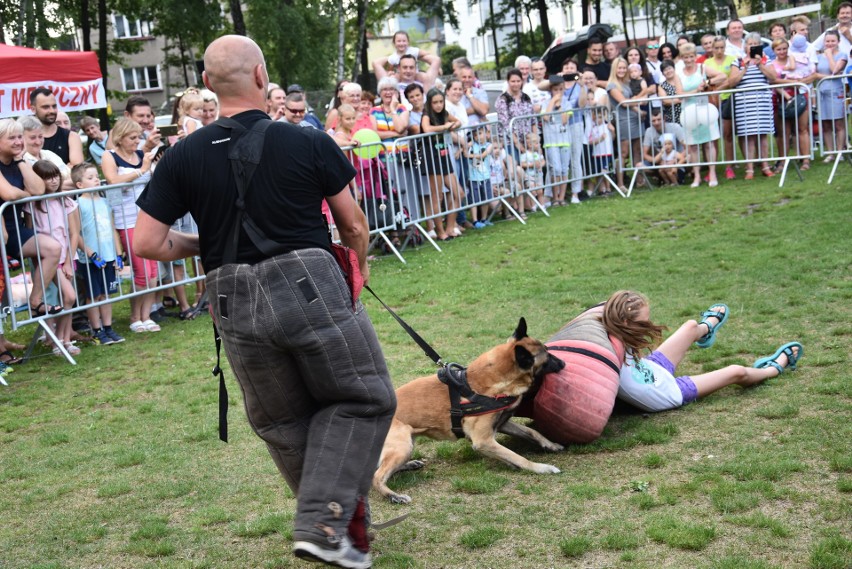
(489, 47)
(638, 12)
(141, 78)
(474, 48)
(127, 29)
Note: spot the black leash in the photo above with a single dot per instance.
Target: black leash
(424, 345)
(454, 376)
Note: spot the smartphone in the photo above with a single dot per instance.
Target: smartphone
(160, 151)
(755, 51)
(571, 76)
(168, 130)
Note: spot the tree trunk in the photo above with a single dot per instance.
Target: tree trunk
(85, 26)
(362, 40)
(517, 27)
(494, 38)
(597, 11)
(2, 33)
(547, 37)
(102, 56)
(732, 6)
(182, 53)
(341, 40)
(624, 21)
(237, 17)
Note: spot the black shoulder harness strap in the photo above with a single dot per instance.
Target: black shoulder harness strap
(588, 353)
(245, 148)
(454, 377)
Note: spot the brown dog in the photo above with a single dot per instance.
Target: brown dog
(423, 408)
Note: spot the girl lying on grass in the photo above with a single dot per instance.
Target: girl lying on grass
(650, 383)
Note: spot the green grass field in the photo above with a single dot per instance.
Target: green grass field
(116, 463)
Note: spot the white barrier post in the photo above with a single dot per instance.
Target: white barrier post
(829, 92)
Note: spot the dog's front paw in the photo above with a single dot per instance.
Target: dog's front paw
(541, 468)
(551, 446)
(400, 498)
(412, 465)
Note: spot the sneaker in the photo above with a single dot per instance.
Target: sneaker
(575, 198)
(112, 335)
(344, 555)
(479, 225)
(488, 223)
(156, 316)
(100, 337)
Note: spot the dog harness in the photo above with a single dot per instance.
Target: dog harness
(464, 401)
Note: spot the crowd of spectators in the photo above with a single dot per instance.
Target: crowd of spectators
(446, 151)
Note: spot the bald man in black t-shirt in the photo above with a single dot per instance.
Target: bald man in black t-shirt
(307, 359)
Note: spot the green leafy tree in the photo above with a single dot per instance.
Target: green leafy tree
(298, 39)
(450, 52)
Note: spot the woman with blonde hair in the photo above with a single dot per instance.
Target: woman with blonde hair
(628, 118)
(18, 181)
(123, 165)
(699, 118)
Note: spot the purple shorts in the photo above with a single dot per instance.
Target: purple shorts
(684, 382)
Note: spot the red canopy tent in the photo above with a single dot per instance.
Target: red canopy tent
(73, 76)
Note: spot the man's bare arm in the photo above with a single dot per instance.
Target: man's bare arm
(154, 239)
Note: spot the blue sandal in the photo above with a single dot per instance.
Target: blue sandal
(709, 338)
(786, 349)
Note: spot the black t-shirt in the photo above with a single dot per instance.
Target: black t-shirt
(298, 168)
(600, 69)
(58, 144)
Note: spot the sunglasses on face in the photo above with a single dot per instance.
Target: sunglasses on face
(295, 111)
(653, 46)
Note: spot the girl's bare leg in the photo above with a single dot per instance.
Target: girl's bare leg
(676, 345)
(707, 383)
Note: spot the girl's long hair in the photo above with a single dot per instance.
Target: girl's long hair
(435, 119)
(620, 317)
(46, 170)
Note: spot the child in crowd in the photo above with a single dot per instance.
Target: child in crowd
(799, 62)
(669, 156)
(637, 84)
(190, 111)
(100, 253)
(601, 134)
(402, 46)
(498, 168)
(343, 133)
(649, 382)
(343, 136)
(479, 153)
(532, 162)
(557, 139)
(57, 218)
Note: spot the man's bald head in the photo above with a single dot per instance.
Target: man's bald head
(230, 65)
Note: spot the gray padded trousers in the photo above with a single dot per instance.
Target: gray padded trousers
(313, 377)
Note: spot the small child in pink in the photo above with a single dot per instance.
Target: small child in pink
(57, 218)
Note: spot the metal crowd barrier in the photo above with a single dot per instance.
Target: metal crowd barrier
(440, 178)
(22, 315)
(698, 114)
(577, 146)
(835, 141)
(374, 190)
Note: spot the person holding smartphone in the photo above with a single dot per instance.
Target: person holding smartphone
(753, 122)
